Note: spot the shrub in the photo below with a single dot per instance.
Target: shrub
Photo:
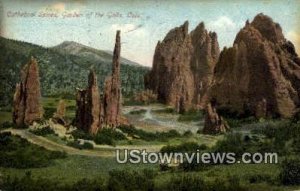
(27, 183)
(184, 147)
(137, 112)
(42, 131)
(145, 97)
(148, 136)
(6, 124)
(108, 136)
(259, 178)
(191, 115)
(185, 182)
(76, 144)
(232, 142)
(166, 110)
(17, 152)
(187, 133)
(290, 172)
(80, 134)
(123, 180)
(48, 112)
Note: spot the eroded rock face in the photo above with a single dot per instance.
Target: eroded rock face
(260, 74)
(94, 112)
(26, 103)
(214, 123)
(88, 106)
(59, 115)
(204, 58)
(112, 89)
(182, 67)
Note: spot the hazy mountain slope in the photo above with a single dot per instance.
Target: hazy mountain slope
(91, 54)
(61, 72)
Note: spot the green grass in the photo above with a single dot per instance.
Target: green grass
(138, 112)
(19, 153)
(192, 115)
(76, 167)
(5, 116)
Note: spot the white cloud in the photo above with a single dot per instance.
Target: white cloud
(295, 38)
(222, 24)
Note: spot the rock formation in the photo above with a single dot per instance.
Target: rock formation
(205, 56)
(92, 111)
(26, 102)
(88, 106)
(214, 123)
(59, 115)
(112, 89)
(260, 74)
(182, 66)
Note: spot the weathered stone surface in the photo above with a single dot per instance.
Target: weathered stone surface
(92, 111)
(26, 103)
(204, 58)
(59, 115)
(112, 90)
(88, 106)
(183, 66)
(260, 74)
(214, 124)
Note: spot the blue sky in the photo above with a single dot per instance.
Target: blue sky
(153, 19)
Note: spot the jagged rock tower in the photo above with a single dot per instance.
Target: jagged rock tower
(93, 112)
(260, 74)
(112, 89)
(183, 66)
(26, 102)
(88, 106)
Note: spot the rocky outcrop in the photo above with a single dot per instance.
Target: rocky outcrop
(214, 123)
(94, 112)
(182, 66)
(88, 106)
(59, 115)
(260, 74)
(26, 102)
(204, 58)
(112, 89)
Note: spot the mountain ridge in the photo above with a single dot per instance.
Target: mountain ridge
(61, 72)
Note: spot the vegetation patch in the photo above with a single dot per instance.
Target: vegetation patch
(42, 131)
(17, 152)
(108, 136)
(184, 147)
(191, 115)
(85, 145)
(148, 136)
(6, 125)
(138, 112)
(290, 173)
(131, 180)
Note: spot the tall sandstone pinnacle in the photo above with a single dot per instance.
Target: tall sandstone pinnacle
(88, 106)
(59, 115)
(183, 65)
(26, 102)
(260, 74)
(112, 89)
(94, 112)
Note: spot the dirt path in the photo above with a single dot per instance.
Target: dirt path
(100, 151)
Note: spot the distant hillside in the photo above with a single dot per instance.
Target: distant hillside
(91, 54)
(62, 68)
